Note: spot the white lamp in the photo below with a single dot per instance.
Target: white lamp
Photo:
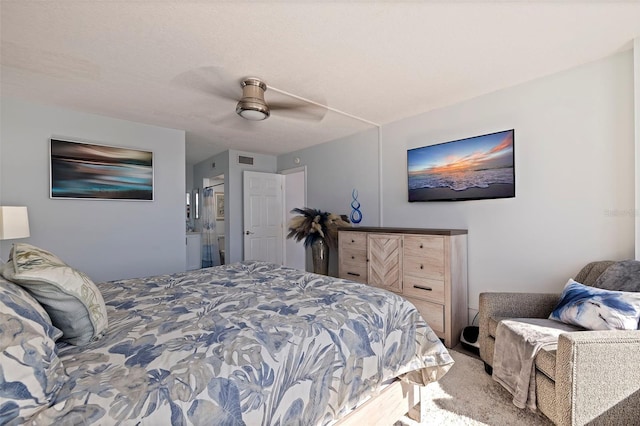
(14, 222)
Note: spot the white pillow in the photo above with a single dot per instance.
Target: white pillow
(597, 309)
(71, 299)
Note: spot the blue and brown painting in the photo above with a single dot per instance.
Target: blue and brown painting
(82, 170)
(467, 169)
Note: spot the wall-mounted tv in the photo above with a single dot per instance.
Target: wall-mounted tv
(474, 168)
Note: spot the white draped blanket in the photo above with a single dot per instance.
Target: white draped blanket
(518, 341)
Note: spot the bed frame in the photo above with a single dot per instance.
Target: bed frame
(391, 403)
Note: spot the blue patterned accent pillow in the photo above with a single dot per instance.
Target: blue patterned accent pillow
(31, 374)
(597, 309)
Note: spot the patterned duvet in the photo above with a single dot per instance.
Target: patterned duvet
(249, 343)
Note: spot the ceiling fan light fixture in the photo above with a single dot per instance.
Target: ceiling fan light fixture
(252, 111)
(252, 106)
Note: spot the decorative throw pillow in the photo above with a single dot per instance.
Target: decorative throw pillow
(621, 276)
(31, 374)
(71, 299)
(597, 309)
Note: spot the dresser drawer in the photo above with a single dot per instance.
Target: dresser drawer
(358, 257)
(431, 267)
(424, 256)
(419, 245)
(352, 240)
(432, 313)
(353, 272)
(423, 288)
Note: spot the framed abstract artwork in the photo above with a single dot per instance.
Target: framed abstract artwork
(219, 205)
(81, 170)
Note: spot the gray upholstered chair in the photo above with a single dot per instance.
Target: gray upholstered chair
(592, 376)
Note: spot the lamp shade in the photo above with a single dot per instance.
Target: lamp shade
(14, 222)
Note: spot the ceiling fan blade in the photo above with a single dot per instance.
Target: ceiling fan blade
(222, 120)
(234, 121)
(298, 110)
(207, 80)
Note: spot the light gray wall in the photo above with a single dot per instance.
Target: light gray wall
(105, 239)
(188, 177)
(636, 84)
(574, 177)
(574, 147)
(334, 169)
(227, 164)
(294, 197)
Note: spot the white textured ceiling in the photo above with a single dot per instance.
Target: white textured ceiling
(174, 63)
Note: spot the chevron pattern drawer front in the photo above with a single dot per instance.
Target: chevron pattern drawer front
(426, 266)
(385, 261)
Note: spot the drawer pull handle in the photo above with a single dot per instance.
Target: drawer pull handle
(352, 241)
(353, 257)
(421, 266)
(421, 246)
(353, 273)
(419, 287)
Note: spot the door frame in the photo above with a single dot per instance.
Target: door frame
(285, 172)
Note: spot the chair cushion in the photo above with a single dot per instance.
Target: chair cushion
(621, 276)
(546, 359)
(592, 271)
(546, 396)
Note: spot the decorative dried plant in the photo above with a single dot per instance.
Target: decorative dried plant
(313, 224)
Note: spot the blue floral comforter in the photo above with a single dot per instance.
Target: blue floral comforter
(249, 343)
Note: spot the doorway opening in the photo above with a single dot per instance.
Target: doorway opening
(214, 225)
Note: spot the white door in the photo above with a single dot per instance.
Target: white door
(263, 216)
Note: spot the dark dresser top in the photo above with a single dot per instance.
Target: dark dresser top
(385, 230)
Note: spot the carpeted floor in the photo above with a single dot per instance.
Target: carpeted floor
(466, 395)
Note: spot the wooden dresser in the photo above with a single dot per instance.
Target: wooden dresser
(426, 266)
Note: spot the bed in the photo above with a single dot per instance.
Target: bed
(248, 343)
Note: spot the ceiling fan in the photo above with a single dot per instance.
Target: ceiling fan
(253, 106)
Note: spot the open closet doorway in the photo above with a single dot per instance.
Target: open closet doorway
(295, 195)
(213, 222)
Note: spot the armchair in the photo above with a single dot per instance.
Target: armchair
(590, 377)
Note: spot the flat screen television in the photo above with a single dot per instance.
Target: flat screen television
(475, 168)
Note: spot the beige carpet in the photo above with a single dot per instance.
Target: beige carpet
(466, 395)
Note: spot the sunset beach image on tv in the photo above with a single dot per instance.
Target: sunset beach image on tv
(475, 168)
